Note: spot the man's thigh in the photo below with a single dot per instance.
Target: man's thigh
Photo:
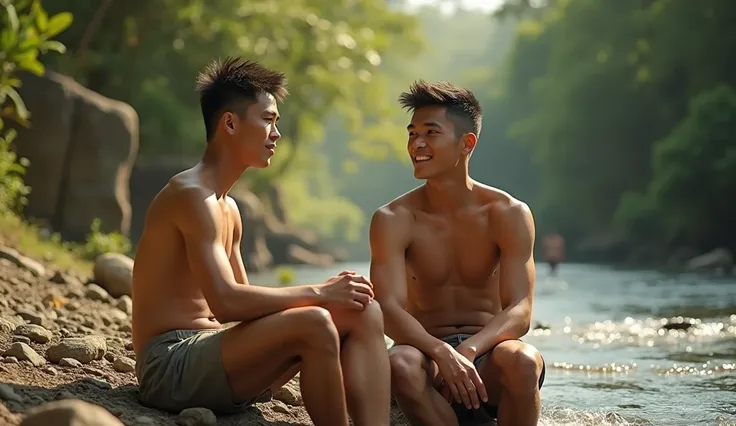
(264, 354)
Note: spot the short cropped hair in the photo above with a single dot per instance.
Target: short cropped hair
(235, 83)
(463, 109)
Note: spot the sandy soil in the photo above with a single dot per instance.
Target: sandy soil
(37, 312)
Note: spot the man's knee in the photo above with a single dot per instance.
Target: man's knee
(520, 365)
(371, 317)
(315, 326)
(408, 376)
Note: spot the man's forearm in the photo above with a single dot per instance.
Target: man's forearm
(404, 329)
(248, 302)
(510, 324)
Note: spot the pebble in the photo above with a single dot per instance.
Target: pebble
(95, 292)
(36, 333)
(125, 304)
(10, 359)
(69, 362)
(123, 365)
(25, 353)
(144, 421)
(196, 417)
(31, 317)
(289, 395)
(50, 370)
(6, 326)
(22, 339)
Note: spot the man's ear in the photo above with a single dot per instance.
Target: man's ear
(229, 121)
(469, 142)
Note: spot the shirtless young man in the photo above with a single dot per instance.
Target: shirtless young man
(452, 265)
(189, 279)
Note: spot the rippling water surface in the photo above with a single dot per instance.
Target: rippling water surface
(625, 347)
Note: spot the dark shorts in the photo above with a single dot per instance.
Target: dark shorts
(486, 412)
(183, 369)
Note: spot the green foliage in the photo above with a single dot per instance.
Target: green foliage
(26, 32)
(624, 108)
(694, 170)
(148, 54)
(285, 276)
(98, 243)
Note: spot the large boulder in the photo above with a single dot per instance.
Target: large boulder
(81, 146)
(114, 273)
(70, 412)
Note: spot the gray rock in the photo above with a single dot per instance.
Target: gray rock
(69, 362)
(196, 417)
(83, 349)
(70, 412)
(123, 364)
(95, 292)
(24, 352)
(21, 261)
(34, 332)
(7, 393)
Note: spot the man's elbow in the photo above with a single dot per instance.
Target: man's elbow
(522, 315)
(222, 305)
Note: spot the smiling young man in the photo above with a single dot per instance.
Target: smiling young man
(452, 265)
(189, 279)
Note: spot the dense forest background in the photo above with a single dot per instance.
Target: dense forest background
(614, 120)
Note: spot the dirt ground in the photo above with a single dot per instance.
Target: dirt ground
(36, 312)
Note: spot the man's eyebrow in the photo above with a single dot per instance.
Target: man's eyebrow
(272, 112)
(427, 124)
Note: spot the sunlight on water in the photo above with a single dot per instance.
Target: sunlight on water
(569, 417)
(648, 331)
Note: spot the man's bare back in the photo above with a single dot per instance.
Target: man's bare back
(453, 267)
(162, 271)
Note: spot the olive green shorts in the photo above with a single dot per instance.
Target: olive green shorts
(183, 369)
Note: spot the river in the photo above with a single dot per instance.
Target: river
(609, 359)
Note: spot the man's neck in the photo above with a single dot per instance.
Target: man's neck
(221, 168)
(449, 192)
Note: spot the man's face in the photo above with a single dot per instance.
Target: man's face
(254, 133)
(433, 145)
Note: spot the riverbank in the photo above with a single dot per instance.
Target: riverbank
(63, 337)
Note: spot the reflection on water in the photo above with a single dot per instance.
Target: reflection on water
(626, 347)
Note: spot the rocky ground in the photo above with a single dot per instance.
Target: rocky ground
(63, 338)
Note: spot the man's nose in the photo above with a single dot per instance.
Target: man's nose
(418, 142)
(275, 134)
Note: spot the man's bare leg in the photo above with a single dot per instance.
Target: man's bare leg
(257, 354)
(365, 365)
(412, 384)
(511, 375)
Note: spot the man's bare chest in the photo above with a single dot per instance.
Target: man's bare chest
(452, 252)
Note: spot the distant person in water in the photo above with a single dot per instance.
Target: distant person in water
(452, 265)
(189, 279)
(554, 251)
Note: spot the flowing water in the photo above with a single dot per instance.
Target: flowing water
(625, 347)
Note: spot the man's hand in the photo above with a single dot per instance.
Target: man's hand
(460, 380)
(346, 291)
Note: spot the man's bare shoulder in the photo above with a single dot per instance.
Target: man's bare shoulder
(185, 197)
(399, 212)
(511, 216)
(503, 206)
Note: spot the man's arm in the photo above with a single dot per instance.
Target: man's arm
(390, 233)
(199, 223)
(236, 257)
(516, 285)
